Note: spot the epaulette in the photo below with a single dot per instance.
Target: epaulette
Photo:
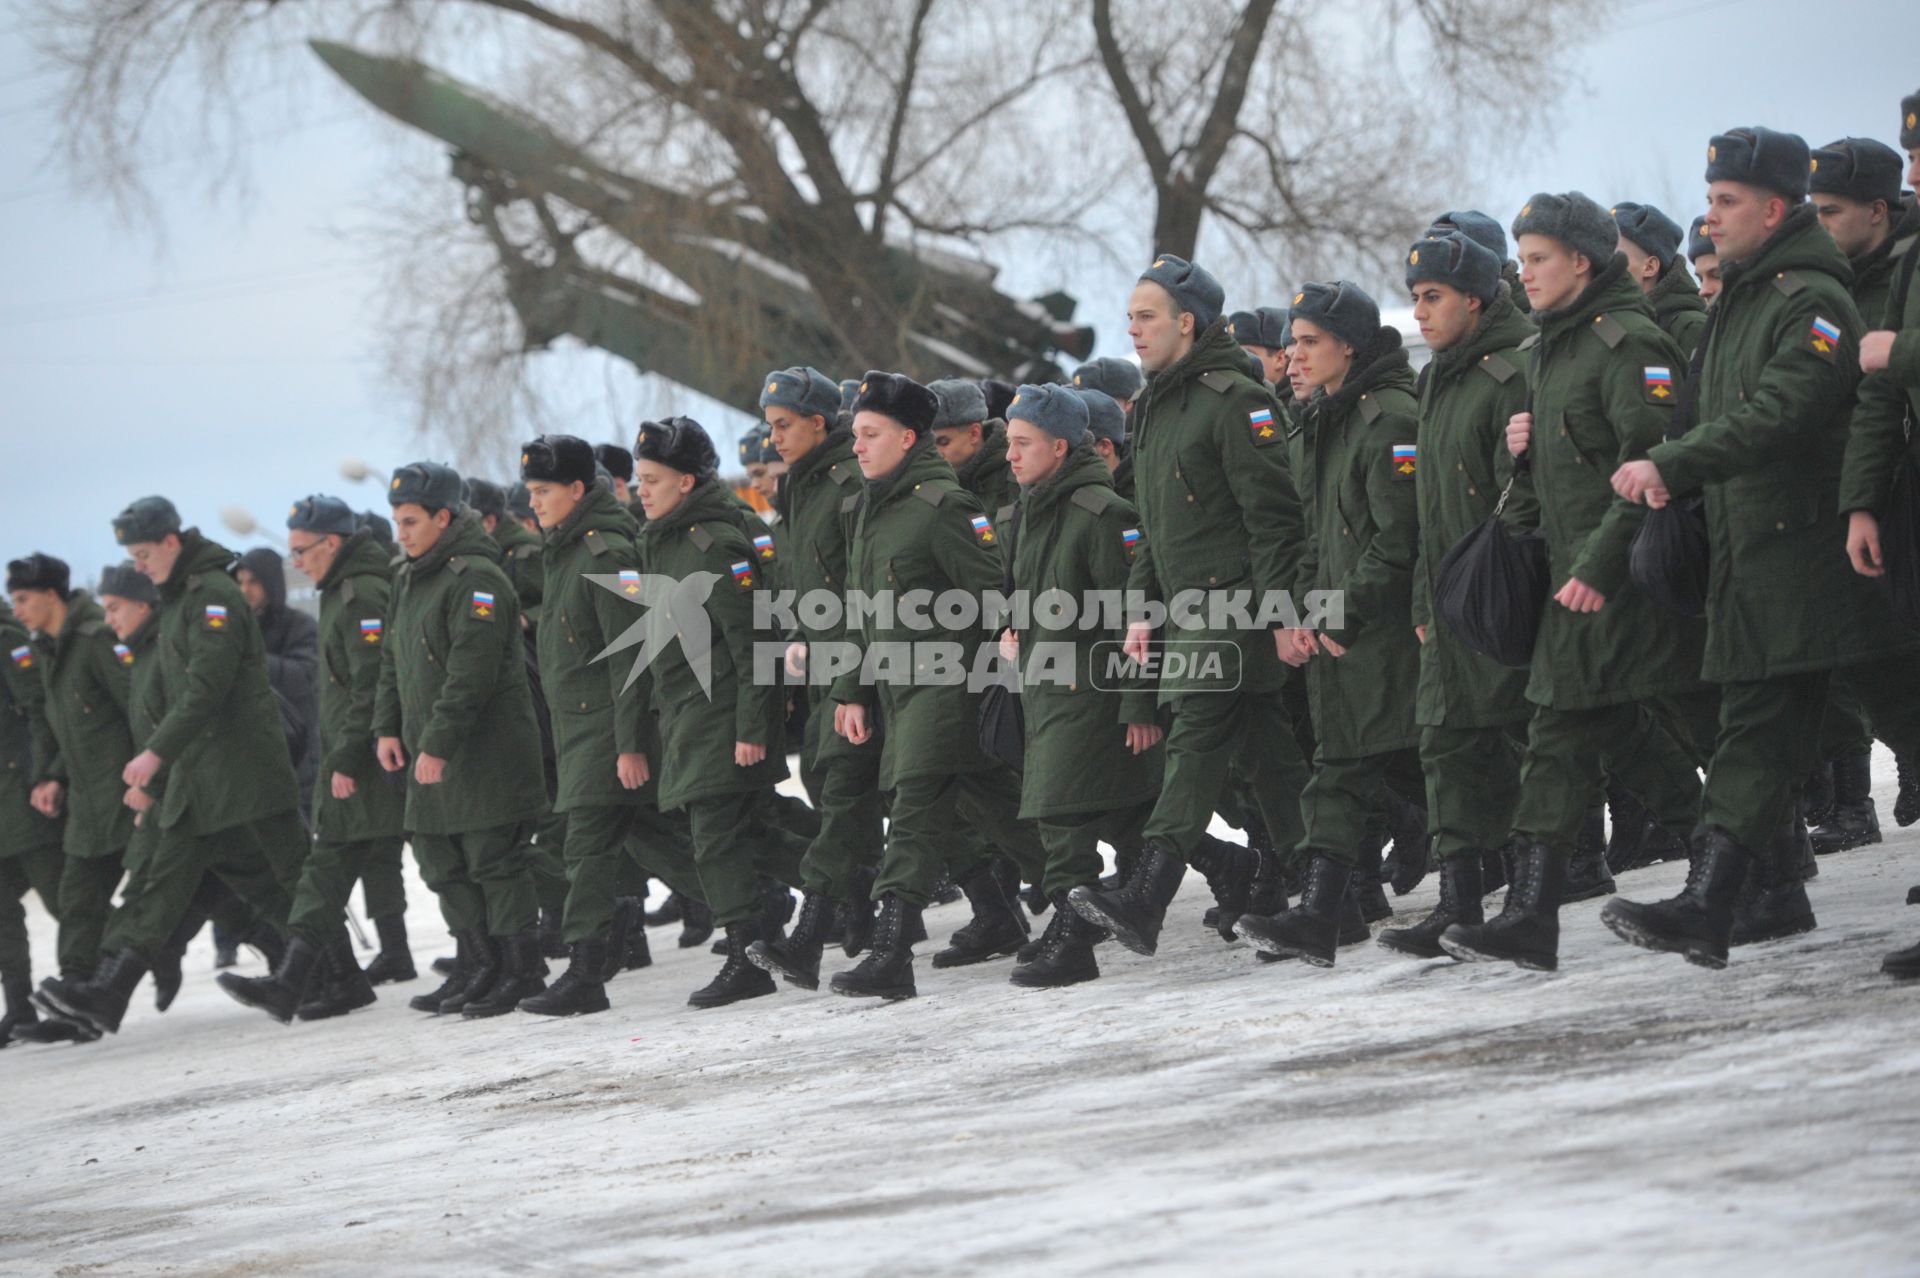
(1900, 247)
(702, 539)
(1609, 330)
(525, 550)
(1789, 282)
(457, 563)
(88, 629)
(1094, 498)
(930, 495)
(1217, 381)
(841, 473)
(1495, 365)
(346, 591)
(850, 504)
(1370, 409)
(598, 544)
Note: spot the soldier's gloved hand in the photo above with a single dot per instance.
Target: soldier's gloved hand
(1519, 432)
(633, 770)
(392, 755)
(1863, 544)
(1876, 351)
(343, 786)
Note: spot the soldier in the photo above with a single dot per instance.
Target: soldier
(1092, 745)
(1602, 379)
(1491, 236)
(1651, 241)
(843, 778)
(1705, 258)
(1107, 434)
(293, 660)
(357, 819)
(917, 530)
(88, 686)
(974, 444)
(1472, 712)
(761, 462)
(1118, 381)
(378, 527)
(229, 806)
(1880, 434)
(453, 709)
(30, 855)
(1218, 514)
(602, 733)
(1776, 388)
(1855, 190)
(720, 746)
(1259, 333)
(618, 463)
(1355, 459)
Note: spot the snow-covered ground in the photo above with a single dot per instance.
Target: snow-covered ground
(1192, 1112)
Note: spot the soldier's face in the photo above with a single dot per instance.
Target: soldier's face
(124, 616)
(1032, 454)
(155, 559)
(312, 555)
(880, 444)
(1161, 334)
(1913, 167)
(1297, 377)
(1550, 271)
(1856, 226)
(35, 608)
(1707, 267)
(661, 488)
(1322, 358)
(256, 594)
(1273, 362)
(418, 529)
(1642, 265)
(552, 502)
(1109, 453)
(1444, 313)
(793, 435)
(958, 444)
(1740, 218)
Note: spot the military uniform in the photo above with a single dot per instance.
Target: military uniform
(453, 684)
(521, 553)
(1677, 306)
(30, 855)
(986, 474)
(88, 678)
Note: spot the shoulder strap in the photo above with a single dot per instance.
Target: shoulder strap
(457, 563)
(1495, 365)
(930, 494)
(596, 543)
(702, 539)
(1217, 381)
(347, 588)
(1609, 330)
(1370, 409)
(1789, 282)
(1092, 498)
(841, 473)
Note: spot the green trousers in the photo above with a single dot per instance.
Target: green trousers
(661, 846)
(1844, 730)
(383, 879)
(259, 861)
(953, 821)
(546, 856)
(738, 843)
(87, 885)
(481, 878)
(318, 912)
(1072, 842)
(1473, 785)
(846, 792)
(1768, 740)
(38, 868)
(1214, 735)
(1345, 794)
(1570, 752)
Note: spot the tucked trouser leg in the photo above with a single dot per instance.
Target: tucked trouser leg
(444, 869)
(1844, 730)
(1767, 743)
(1072, 842)
(497, 863)
(1344, 793)
(921, 840)
(725, 852)
(326, 884)
(243, 857)
(383, 881)
(1213, 733)
(851, 830)
(1569, 751)
(1473, 786)
(596, 851)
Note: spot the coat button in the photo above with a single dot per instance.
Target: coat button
(1460, 466)
(583, 705)
(1211, 581)
(1189, 496)
(1472, 491)
(1780, 527)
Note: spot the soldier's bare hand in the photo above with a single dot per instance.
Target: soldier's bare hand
(746, 754)
(1420, 633)
(1863, 544)
(138, 800)
(1640, 481)
(46, 798)
(343, 786)
(1578, 596)
(797, 660)
(1333, 649)
(1142, 737)
(1009, 645)
(429, 769)
(1519, 432)
(1139, 634)
(1294, 646)
(851, 723)
(140, 769)
(392, 755)
(633, 770)
(1876, 351)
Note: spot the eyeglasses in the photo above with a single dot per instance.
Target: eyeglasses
(298, 552)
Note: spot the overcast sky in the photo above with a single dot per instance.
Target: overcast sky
(235, 365)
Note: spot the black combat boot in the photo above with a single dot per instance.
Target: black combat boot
(1906, 804)
(278, 995)
(1229, 869)
(1493, 871)
(166, 964)
(582, 988)
(19, 994)
(1066, 952)
(945, 892)
(394, 962)
(998, 926)
(1008, 875)
(44, 1025)
(696, 923)
(1816, 794)
(1311, 929)
(477, 962)
(1698, 923)
(1124, 859)
(738, 978)
(629, 917)
(1526, 932)
(1407, 863)
(1852, 821)
(523, 974)
(1461, 893)
(267, 942)
(1903, 964)
(1626, 830)
(639, 951)
(341, 987)
(1772, 903)
(856, 914)
(797, 958)
(887, 970)
(553, 934)
(1134, 913)
(1366, 888)
(101, 1000)
(1587, 873)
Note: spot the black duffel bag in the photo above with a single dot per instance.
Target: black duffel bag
(1669, 557)
(1492, 588)
(1003, 725)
